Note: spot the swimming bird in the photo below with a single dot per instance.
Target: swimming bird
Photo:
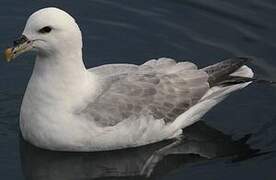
(67, 107)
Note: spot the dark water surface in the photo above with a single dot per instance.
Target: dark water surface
(235, 140)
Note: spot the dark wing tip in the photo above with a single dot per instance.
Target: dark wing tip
(218, 73)
(244, 60)
(237, 61)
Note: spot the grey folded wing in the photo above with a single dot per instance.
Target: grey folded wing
(161, 88)
(108, 70)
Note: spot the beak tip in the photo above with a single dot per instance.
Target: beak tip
(8, 53)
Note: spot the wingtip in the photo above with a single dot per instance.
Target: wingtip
(245, 59)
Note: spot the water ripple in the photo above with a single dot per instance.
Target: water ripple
(224, 10)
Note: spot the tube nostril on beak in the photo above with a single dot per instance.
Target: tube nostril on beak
(21, 40)
(16, 42)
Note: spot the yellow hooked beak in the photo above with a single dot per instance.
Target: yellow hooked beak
(19, 46)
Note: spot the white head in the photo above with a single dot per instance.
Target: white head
(48, 31)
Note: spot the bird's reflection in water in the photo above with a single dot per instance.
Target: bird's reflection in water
(199, 142)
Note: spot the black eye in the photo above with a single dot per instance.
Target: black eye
(46, 29)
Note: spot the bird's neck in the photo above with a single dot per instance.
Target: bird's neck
(60, 79)
(68, 66)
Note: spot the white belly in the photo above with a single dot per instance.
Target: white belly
(84, 135)
(56, 128)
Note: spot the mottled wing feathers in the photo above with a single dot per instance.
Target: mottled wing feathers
(161, 88)
(108, 70)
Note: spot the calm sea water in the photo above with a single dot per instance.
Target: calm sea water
(235, 140)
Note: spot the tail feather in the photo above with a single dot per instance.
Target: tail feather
(229, 72)
(224, 78)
